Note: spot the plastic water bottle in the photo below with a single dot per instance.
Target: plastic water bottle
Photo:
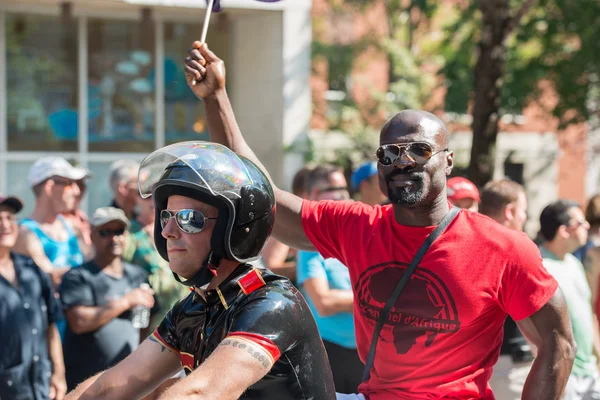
(140, 314)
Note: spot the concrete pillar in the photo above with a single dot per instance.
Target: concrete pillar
(269, 83)
(297, 35)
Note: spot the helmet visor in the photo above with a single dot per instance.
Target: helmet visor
(212, 166)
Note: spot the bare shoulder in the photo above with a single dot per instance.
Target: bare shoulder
(26, 240)
(23, 230)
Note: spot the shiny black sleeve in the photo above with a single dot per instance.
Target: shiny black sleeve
(166, 332)
(75, 290)
(272, 318)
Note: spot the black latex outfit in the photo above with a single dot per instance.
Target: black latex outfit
(274, 310)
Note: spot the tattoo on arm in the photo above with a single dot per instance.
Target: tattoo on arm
(153, 339)
(259, 355)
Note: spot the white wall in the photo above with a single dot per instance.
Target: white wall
(270, 81)
(268, 74)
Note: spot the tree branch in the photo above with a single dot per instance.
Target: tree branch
(516, 19)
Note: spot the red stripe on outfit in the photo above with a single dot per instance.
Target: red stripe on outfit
(252, 281)
(263, 342)
(187, 360)
(162, 341)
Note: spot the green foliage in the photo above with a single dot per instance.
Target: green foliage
(409, 85)
(458, 51)
(557, 40)
(339, 59)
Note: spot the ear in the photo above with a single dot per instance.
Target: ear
(449, 162)
(122, 188)
(563, 232)
(509, 212)
(47, 188)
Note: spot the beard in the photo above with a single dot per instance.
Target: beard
(407, 195)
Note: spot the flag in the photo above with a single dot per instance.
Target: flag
(217, 4)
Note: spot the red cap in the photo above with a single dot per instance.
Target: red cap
(461, 188)
(13, 202)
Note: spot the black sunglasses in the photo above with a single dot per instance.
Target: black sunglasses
(109, 233)
(419, 152)
(189, 221)
(62, 182)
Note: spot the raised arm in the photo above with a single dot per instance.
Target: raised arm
(549, 330)
(205, 74)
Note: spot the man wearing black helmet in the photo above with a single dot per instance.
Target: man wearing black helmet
(243, 332)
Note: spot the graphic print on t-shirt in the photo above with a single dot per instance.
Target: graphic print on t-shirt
(425, 306)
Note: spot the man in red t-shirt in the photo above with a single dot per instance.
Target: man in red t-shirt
(443, 335)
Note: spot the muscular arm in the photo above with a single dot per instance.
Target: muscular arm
(592, 271)
(549, 330)
(224, 129)
(328, 301)
(133, 378)
(234, 366)
(29, 245)
(84, 319)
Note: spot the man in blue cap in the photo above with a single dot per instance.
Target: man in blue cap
(364, 180)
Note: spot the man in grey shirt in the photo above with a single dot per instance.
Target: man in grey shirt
(97, 298)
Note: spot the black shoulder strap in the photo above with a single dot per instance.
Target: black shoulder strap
(448, 218)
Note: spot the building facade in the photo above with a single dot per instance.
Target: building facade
(97, 81)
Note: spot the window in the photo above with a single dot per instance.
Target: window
(184, 113)
(121, 87)
(514, 171)
(41, 83)
(19, 186)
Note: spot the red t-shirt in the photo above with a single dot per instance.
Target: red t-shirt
(444, 334)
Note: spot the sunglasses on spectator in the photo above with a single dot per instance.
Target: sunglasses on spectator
(189, 221)
(62, 182)
(110, 233)
(577, 224)
(419, 152)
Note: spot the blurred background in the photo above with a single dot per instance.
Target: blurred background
(517, 82)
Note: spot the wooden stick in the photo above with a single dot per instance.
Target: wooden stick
(206, 21)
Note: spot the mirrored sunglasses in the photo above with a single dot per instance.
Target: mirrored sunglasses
(189, 221)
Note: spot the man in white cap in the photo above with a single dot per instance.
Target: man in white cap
(45, 235)
(97, 298)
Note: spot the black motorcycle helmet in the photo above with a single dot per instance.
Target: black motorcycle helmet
(212, 174)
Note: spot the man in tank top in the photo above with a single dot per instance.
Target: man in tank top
(45, 235)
